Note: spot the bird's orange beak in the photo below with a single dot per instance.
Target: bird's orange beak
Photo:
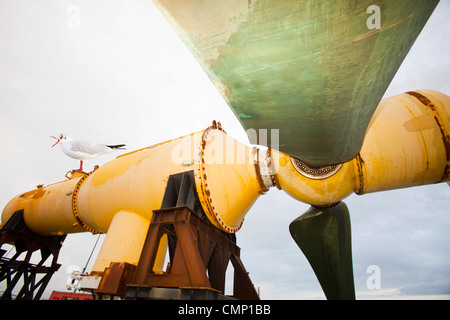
(55, 142)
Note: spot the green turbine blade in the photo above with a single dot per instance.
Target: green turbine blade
(314, 69)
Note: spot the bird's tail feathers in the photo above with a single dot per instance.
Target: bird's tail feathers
(117, 146)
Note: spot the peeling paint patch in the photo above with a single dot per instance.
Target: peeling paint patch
(440, 123)
(222, 88)
(245, 116)
(34, 194)
(206, 32)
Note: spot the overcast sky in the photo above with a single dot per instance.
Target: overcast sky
(120, 74)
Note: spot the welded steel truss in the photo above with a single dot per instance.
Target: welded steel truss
(19, 270)
(198, 254)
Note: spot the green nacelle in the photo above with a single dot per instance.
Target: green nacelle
(314, 69)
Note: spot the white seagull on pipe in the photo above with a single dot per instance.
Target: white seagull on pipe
(83, 150)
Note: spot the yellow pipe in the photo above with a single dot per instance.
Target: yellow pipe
(124, 240)
(47, 210)
(119, 197)
(407, 144)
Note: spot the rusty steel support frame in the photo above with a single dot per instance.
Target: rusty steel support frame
(199, 255)
(13, 269)
(114, 280)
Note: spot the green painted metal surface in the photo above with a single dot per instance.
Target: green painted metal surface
(314, 69)
(324, 236)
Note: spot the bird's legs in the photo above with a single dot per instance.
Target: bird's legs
(81, 167)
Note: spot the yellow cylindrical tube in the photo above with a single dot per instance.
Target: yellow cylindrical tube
(133, 182)
(124, 240)
(317, 191)
(225, 176)
(47, 210)
(229, 180)
(119, 197)
(407, 144)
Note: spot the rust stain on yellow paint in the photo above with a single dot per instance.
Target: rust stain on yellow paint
(442, 128)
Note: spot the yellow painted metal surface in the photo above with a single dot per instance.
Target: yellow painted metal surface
(407, 144)
(119, 197)
(47, 210)
(229, 184)
(314, 68)
(319, 192)
(225, 174)
(124, 240)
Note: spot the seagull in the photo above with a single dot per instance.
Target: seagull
(83, 150)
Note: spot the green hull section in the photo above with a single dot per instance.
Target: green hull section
(314, 69)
